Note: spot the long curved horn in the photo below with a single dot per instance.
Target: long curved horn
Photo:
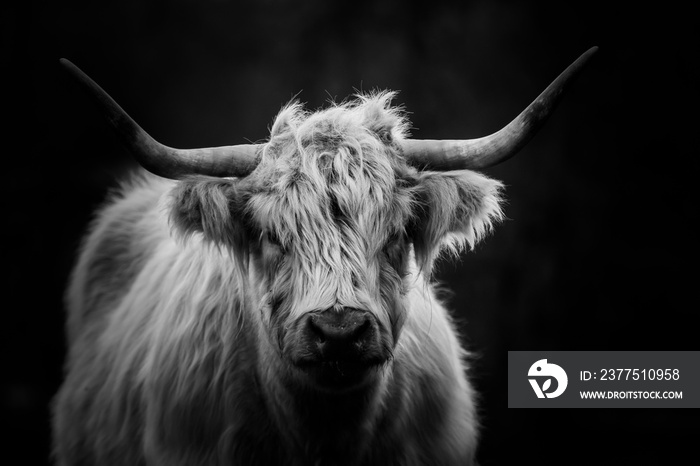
(501, 145)
(238, 160)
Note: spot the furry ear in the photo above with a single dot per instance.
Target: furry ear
(210, 206)
(454, 210)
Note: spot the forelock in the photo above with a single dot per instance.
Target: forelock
(338, 164)
(372, 111)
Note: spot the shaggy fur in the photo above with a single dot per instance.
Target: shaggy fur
(185, 302)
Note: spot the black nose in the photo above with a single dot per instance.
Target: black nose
(340, 334)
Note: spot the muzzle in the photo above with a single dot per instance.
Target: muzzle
(338, 348)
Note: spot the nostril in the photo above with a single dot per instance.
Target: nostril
(316, 330)
(361, 329)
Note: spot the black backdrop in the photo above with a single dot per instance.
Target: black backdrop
(596, 254)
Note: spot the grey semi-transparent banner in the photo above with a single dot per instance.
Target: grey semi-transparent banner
(604, 379)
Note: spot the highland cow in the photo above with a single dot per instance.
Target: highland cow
(272, 304)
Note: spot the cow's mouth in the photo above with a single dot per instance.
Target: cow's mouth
(340, 374)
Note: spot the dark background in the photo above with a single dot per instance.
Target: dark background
(599, 251)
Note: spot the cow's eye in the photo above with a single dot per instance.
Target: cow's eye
(273, 239)
(271, 243)
(393, 246)
(392, 240)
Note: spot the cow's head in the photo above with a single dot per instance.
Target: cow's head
(333, 227)
(334, 219)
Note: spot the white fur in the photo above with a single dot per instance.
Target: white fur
(177, 351)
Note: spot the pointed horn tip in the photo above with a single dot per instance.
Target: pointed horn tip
(585, 56)
(67, 64)
(70, 67)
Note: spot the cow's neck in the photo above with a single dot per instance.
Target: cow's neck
(321, 425)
